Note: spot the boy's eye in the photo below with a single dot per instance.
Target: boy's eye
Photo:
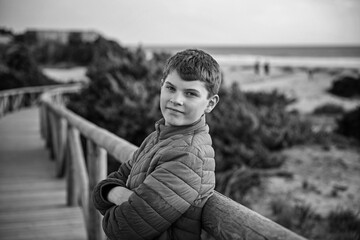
(191, 94)
(170, 88)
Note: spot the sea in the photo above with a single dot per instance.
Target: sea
(300, 56)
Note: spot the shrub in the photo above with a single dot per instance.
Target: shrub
(349, 124)
(246, 127)
(344, 225)
(18, 68)
(235, 183)
(123, 93)
(272, 99)
(346, 86)
(329, 109)
(302, 219)
(299, 218)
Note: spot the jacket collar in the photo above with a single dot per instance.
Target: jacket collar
(168, 131)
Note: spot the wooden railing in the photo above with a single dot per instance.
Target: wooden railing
(223, 218)
(14, 99)
(62, 129)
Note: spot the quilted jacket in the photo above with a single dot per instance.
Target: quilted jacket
(172, 176)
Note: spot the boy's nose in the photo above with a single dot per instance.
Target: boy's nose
(177, 100)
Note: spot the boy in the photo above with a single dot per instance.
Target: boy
(160, 192)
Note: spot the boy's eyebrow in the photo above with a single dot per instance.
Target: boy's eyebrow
(187, 89)
(167, 82)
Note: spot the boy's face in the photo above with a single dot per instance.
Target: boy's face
(184, 102)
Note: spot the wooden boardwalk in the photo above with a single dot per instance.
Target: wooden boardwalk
(32, 199)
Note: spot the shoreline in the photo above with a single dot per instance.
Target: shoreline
(289, 61)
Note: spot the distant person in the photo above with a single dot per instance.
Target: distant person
(266, 68)
(310, 73)
(160, 192)
(257, 67)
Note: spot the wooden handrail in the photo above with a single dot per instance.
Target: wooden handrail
(223, 218)
(17, 98)
(14, 99)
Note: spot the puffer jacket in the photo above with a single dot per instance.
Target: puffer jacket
(172, 176)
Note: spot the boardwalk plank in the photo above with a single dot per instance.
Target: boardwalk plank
(8, 186)
(32, 200)
(41, 214)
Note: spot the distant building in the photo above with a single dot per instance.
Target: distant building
(5, 39)
(42, 36)
(6, 36)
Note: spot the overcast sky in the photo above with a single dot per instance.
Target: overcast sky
(210, 22)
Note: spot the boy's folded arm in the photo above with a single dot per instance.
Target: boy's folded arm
(158, 202)
(103, 188)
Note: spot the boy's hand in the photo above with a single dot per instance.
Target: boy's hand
(118, 195)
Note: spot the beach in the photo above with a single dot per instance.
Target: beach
(310, 92)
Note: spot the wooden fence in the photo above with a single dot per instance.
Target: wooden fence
(223, 218)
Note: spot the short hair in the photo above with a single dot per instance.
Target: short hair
(195, 64)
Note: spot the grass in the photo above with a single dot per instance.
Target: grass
(340, 224)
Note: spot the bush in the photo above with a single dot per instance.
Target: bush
(246, 128)
(300, 218)
(122, 96)
(329, 109)
(235, 183)
(344, 225)
(346, 86)
(18, 68)
(349, 124)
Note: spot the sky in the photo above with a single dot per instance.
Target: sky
(186, 22)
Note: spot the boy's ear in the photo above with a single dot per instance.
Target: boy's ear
(212, 103)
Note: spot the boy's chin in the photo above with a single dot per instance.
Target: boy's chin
(173, 123)
(177, 122)
(170, 121)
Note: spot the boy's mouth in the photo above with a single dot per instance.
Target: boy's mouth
(174, 110)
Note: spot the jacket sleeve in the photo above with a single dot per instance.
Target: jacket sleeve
(102, 189)
(159, 201)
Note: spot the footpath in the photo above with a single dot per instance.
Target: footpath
(32, 199)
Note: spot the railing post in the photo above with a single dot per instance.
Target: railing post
(71, 183)
(6, 104)
(18, 101)
(97, 164)
(60, 168)
(49, 143)
(54, 135)
(3, 104)
(79, 173)
(42, 120)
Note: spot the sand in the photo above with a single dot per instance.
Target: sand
(76, 74)
(309, 92)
